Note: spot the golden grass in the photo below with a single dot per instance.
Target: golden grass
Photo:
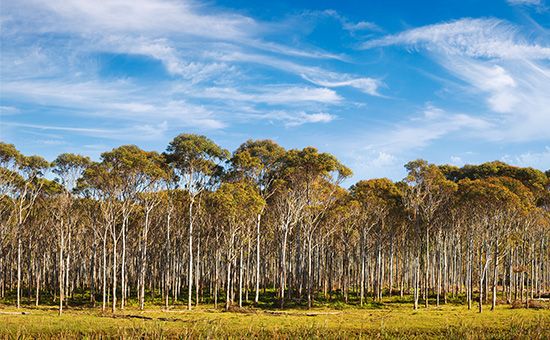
(391, 321)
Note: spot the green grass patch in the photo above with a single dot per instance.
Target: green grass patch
(387, 319)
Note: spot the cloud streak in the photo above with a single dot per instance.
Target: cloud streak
(497, 63)
(53, 49)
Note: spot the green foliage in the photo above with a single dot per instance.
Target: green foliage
(308, 164)
(69, 167)
(235, 201)
(194, 153)
(9, 154)
(33, 166)
(534, 179)
(259, 161)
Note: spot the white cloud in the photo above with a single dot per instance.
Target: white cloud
(8, 110)
(418, 132)
(477, 38)
(370, 163)
(347, 24)
(457, 160)
(381, 154)
(135, 17)
(50, 59)
(360, 26)
(525, 2)
(312, 74)
(293, 119)
(490, 78)
(140, 132)
(498, 64)
(539, 160)
(273, 95)
(366, 85)
(121, 100)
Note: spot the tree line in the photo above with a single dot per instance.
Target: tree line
(198, 224)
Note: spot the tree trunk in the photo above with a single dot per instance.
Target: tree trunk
(190, 272)
(258, 223)
(495, 278)
(61, 267)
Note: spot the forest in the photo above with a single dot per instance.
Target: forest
(265, 226)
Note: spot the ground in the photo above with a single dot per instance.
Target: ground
(386, 320)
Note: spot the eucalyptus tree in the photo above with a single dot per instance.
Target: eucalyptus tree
(487, 203)
(31, 169)
(102, 182)
(152, 174)
(238, 204)
(10, 181)
(196, 160)
(379, 198)
(307, 173)
(427, 190)
(259, 161)
(68, 168)
(339, 223)
(126, 163)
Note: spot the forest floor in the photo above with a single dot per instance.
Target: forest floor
(380, 320)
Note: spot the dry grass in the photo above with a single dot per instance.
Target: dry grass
(386, 321)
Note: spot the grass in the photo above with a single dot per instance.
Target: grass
(390, 319)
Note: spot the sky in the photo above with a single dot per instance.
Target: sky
(376, 83)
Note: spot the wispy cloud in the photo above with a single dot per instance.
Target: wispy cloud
(477, 38)
(524, 2)
(273, 95)
(8, 110)
(142, 132)
(383, 152)
(293, 119)
(498, 63)
(50, 60)
(315, 75)
(537, 159)
(351, 26)
(137, 17)
(121, 101)
(419, 131)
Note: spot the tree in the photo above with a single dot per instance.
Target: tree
(196, 160)
(427, 190)
(260, 162)
(68, 168)
(379, 198)
(237, 204)
(488, 206)
(31, 168)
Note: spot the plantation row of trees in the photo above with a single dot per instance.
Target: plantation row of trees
(197, 224)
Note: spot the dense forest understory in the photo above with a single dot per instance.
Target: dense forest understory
(268, 230)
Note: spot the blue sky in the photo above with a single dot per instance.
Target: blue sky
(377, 83)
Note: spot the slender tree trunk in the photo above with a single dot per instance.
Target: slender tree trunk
(495, 278)
(104, 276)
(190, 271)
(416, 283)
(19, 269)
(258, 224)
(114, 272)
(427, 268)
(241, 277)
(309, 272)
(123, 264)
(61, 274)
(362, 255)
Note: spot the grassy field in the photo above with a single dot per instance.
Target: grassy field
(388, 320)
